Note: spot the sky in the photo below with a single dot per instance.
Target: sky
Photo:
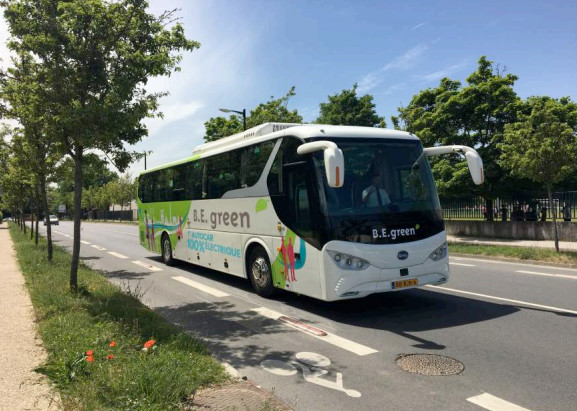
(254, 49)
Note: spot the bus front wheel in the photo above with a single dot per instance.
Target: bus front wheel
(260, 273)
(167, 250)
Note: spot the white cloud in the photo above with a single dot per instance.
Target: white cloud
(402, 62)
(172, 113)
(417, 26)
(437, 75)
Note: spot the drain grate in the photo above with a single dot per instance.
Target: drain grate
(429, 364)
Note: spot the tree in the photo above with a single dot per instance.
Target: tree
(98, 56)
(25, 101)
(347, 109)
(542, 145)
(473, 115)
(274, 110)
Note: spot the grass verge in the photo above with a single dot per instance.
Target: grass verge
(122, 376)
(521, 253)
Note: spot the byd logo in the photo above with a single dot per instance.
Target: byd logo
(402, 255)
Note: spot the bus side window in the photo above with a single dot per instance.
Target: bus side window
(179, 181)
(253, 161)
(223, 173)
(195, 174)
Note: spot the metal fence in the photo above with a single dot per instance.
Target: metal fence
(122, 215)
(521, 208)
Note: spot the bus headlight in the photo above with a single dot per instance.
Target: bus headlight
(348, 262)
(439, 253)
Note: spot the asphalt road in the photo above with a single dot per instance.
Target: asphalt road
(512, 326)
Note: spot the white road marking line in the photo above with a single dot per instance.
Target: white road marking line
(510, 262)
(98, 247)
(464, 265)
(340, 342)
(201, 287)
(66, 235)
(117, 255)
(84, 242)
(547, 307)
(490, 402)
(148, 266)
(572, 277)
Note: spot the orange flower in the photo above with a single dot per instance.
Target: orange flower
(109, 357)
(90, 353)
(90, 358)
(112, 344)
(149, 343)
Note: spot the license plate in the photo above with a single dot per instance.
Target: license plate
(405, 283)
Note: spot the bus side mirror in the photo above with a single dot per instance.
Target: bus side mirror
(334, 160)
(474, 160)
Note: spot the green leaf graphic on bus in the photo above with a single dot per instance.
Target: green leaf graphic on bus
(261, 204)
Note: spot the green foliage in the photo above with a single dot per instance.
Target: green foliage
(542, 145)
(72, 323)
(274, 110)
(346, 108)
(219, 127)
(94, 59)
(522, 253)
(474, 115)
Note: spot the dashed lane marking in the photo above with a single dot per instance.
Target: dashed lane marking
(98, 247)
(84, 242)
(464, 265)
(490, 402)
(572, 277)
(202, 287)
(491, 297)
(148, 266)
(117, 255)
(330, 338)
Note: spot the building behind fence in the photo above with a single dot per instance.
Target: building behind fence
(519, 208)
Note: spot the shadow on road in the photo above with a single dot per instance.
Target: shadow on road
(224, 328)
(406, 312)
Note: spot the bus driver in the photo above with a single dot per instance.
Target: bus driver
(374, 195)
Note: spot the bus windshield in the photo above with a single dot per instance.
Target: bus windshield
(388, 196)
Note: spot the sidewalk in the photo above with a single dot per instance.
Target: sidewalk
(563, 245)
(21, 350)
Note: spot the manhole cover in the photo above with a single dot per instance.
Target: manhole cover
(429, 364)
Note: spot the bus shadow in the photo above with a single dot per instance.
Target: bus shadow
(239, 337)
(407, 312)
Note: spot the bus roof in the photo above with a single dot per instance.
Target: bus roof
(270, 131)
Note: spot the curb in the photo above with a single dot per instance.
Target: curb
(513, 260)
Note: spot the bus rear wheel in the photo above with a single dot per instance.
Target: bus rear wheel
(167, 250)
(260, 273)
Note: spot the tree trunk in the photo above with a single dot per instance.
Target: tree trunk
(37, 220)
(554, 210)
(44, 196)
(489, 208)
(31, 224)
(77, 218)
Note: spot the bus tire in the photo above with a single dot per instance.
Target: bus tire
(260, 273)
(166, 248)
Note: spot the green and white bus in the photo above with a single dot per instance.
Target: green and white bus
(331, 212)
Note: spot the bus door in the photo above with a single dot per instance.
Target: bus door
(297, 258)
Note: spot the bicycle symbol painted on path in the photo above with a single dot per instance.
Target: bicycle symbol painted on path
(311, 364)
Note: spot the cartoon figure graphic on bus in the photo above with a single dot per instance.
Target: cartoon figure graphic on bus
(291, 259)
(283, 251)
(179, 229)
(287, 262)
(152, 239)
(147, 228)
